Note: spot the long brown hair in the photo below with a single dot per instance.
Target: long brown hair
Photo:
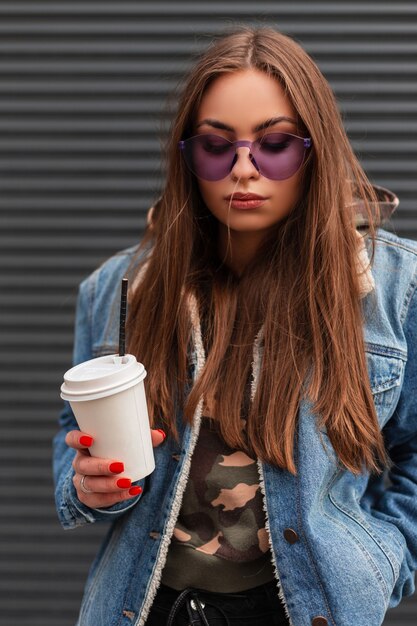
(303, 286)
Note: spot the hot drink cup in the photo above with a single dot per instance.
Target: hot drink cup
(107, 396)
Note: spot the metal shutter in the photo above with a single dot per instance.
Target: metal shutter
(82, 89)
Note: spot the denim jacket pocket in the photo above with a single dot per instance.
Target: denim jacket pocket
(373, 532)
(385, 368)
(361, 556)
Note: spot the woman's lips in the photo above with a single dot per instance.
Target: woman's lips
(246, 204)
(245, 201)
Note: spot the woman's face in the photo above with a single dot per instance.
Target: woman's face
(235, 106)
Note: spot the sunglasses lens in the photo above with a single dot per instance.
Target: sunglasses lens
(209, 157)
(279, 155)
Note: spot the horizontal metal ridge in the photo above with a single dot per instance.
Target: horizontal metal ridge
(204, 9)
(151, 28)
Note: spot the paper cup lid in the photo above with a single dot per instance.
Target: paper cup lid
(103, 376)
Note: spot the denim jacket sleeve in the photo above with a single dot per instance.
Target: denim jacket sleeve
(397, 504)
(71, 511)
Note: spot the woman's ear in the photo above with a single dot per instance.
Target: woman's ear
(149, 217)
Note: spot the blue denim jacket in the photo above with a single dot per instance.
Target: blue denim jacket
(354, 547)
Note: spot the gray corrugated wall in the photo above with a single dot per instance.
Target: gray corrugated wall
(82, 86)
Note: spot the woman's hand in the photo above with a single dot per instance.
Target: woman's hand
(95, 479)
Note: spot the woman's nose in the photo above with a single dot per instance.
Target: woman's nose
(244, 166)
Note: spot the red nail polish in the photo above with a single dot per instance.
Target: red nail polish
(163, 433)
(116, 467)
(135, 491)
(124, 483)
(86, 441)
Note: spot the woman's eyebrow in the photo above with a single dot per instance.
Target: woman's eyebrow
(261, 126)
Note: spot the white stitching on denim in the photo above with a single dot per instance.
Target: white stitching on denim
(155, 578)
(256, 365)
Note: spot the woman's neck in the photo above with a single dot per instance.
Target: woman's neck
(238, 249)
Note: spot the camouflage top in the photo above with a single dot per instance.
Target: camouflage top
(220, 542)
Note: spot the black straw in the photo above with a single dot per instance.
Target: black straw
(122, 324)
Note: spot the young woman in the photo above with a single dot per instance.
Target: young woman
(277, 323)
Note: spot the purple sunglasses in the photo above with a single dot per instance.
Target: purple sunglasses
(275, 155)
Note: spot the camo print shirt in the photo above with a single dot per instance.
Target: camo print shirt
(220, 542)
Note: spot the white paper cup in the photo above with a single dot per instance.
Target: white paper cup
(107, 396)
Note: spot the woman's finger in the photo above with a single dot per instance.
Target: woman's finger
(104, 500)
(78, 440)
(158, 436)
(96, 466)
(100, 484)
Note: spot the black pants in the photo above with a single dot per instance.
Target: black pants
(256, 607)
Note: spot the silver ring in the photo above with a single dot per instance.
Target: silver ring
(82, 485)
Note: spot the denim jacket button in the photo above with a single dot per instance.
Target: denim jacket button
(319, 621)
(292, 537)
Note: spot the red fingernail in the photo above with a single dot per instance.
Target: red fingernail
(124, 483)
(163, 433)
(116, 467)
(135, 491)
(86, 441)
